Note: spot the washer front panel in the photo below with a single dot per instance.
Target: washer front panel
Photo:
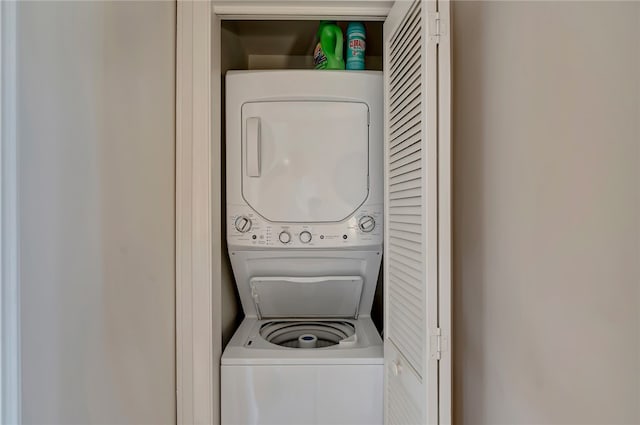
(246, 229)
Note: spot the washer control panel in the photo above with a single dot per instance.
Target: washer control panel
(245, 228)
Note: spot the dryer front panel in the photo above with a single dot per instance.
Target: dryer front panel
(305, 161)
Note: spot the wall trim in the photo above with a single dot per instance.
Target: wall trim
(10, 385)
(445, 306)
(198, 329)
(292, 9)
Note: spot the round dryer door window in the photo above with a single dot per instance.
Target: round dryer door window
(305, 161)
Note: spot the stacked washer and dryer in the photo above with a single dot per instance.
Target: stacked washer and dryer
(304, 213)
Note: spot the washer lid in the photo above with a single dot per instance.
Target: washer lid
(301, 297)
(305, 161)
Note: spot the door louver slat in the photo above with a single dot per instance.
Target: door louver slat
(403, 127)
(409, 132)
(407, 66)
(408, 256)
(409, 106)
(411, 110)
(405, 203)
(406, 169)
(401, 410)
(399, 76)
(412, 265)
(407, 278)
(407, 236)
(409, 219)
(405, 177)
(406, 86)
(406, 152)
(411, 274)
(405, 210)
(409, 250)
(399, 163)
(410, 25)
(407, 183)
(408, 329)
(409, 302)
(409, 139)
(406, 79)
(408, 20)
(416, 291)
(413, 193)
(405, 227)
(405, 337)
(407, 61)
(410, 48)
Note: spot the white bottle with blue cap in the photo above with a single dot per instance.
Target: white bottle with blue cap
(356, 46)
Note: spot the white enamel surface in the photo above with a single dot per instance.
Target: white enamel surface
(302, 394)
(313, 157)
(323, 235)
(304, 187)
(264, 383)
(318, 264)
(322, 296)
(320, 179)
(322, 166)
(248, 347)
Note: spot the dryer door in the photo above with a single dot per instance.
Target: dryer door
(305, 161)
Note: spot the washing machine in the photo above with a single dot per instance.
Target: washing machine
(304, 231)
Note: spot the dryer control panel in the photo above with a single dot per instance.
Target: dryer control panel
(245, 228)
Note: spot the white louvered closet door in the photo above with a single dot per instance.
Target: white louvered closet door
(417, 199)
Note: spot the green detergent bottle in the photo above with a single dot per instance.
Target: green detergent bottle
(328, 51)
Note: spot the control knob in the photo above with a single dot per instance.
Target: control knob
(305, 237)
(284, 237)
(366, 223)
(243, 224)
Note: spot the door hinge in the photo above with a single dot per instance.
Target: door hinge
(436, 344)
(435, 29)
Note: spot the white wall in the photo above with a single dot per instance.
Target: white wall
(547, 212)
(96, 146)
